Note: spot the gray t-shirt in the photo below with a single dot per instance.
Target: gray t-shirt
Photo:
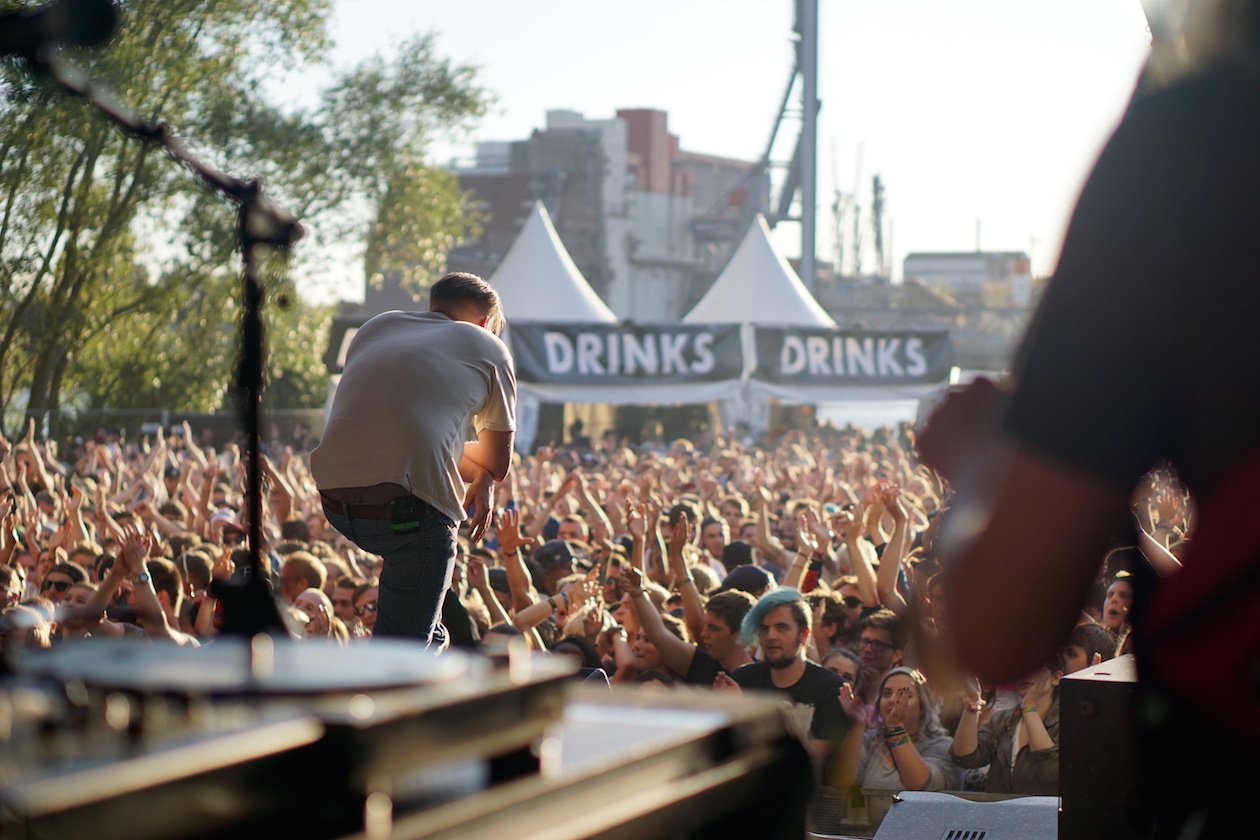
(412, 383)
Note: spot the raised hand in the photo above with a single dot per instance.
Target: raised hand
(845, 524)
(1168, 506)
(478, 579)
(890, 497)
(636, 519)
(509, 532)
(852, 705)
(135, 547)
(680, 534)
(818, 527)
(897, 713)
(631, 580)
(806, 539)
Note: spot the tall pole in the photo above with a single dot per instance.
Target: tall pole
(808, 57)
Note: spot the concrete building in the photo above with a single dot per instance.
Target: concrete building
(985, 278)
(625, 199)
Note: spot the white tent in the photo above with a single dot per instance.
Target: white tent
(537, 280)
(758, 287)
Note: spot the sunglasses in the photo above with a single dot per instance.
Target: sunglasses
(878, 644)
(230, 540)
(59, 585)
(369, 607)
(852, 602)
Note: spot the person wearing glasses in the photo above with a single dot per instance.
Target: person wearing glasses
(880, 645)
(59, 579)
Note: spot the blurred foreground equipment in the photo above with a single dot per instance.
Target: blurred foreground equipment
(136, 741)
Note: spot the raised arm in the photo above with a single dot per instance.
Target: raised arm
(674, 652)
(511, 542)
(764, 540)
(693, 606)
(894, 551)
(849, 528)
(594, 511)
(842, 770)
(133, 552)
(480, 581)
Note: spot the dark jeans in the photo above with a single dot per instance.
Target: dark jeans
(415, 574)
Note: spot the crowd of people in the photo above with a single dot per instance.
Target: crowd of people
(804, 565)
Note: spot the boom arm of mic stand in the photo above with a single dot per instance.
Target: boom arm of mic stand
(249, 607)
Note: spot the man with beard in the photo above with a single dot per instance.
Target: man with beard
(779, 623)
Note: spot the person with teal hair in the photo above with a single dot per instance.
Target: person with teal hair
(779, 624)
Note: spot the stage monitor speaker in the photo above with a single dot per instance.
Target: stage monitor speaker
(1096, 771)
(917, 815)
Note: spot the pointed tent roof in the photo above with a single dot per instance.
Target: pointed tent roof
(537, 280)
(758, 286)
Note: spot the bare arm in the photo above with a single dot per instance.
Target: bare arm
(479, 581)
(849, 528)
(843, 769)
(491, 451)
(894, 551)
(134, 551)
(510, 545)
(764, 540)
(1163, 561)
(693, 606)
(674, 652)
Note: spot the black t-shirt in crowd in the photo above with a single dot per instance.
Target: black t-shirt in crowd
(815, 698)
(703, 669)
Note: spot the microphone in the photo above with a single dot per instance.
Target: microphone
(74, 23)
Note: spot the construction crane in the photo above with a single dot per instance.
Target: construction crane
(857, 216)
(877, 224)
(728, 218)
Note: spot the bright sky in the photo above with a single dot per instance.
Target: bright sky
(975, 113)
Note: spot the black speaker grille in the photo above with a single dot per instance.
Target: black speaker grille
(965, 834)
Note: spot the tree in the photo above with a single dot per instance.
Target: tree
(118, 276)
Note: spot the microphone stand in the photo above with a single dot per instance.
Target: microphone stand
(249, 608)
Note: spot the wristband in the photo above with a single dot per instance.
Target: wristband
(688, 579)
(899, 741)
(143, 577)
(565, 596)
(976, 706)
(1028, 709)
(551, 599)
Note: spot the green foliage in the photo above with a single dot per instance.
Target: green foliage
(119, 279)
